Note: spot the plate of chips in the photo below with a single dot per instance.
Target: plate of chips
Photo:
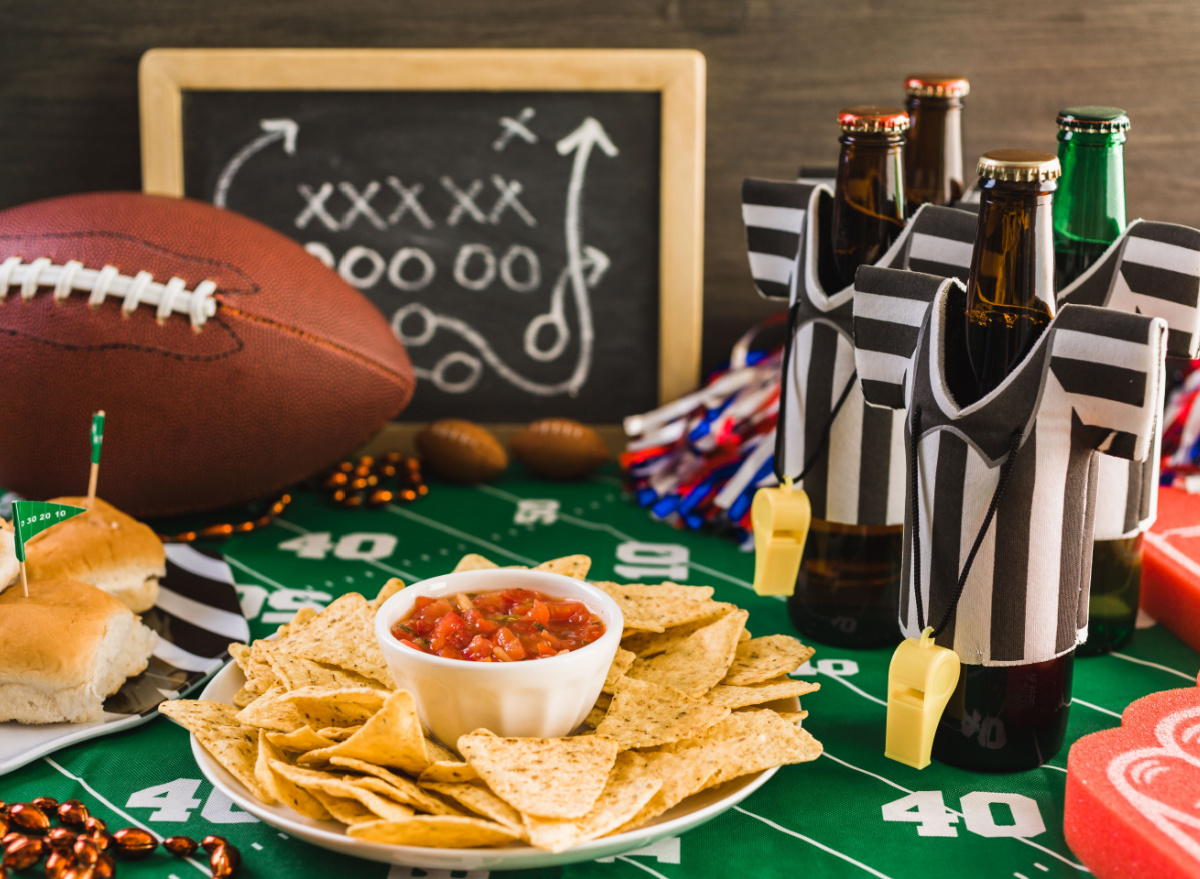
(307, 732)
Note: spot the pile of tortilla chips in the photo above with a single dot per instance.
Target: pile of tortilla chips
(690, 702)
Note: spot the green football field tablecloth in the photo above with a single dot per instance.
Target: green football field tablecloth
(851, 812)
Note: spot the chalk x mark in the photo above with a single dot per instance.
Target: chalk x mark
(515, 128)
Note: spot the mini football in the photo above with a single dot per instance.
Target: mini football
(559, 448)
(461, 451)
(231, 363)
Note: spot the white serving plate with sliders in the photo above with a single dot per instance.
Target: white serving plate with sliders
(195, 615)
(692, 812)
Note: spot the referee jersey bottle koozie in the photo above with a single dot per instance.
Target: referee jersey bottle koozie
(1151, 269)
(850, 454)
(1091, 383)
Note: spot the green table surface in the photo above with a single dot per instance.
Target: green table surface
(825, 818)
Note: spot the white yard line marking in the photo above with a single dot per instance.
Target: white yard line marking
(253, 573)
(1041, 867)
(620, 535)
(1020, 876)
(901, 787)
(373, 562)
(641, 866)
(91, 790)
(461, 535)
(1079, 701)
(811, 841)
(1146, 662)
(863, 693)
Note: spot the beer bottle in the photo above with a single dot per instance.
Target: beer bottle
(1089, 208)
(933, 171)
(1019, 711)
(1010, 287)
(847, 591)
(1089, 215)
(868, 203)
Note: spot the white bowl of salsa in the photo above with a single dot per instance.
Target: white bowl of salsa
(520, 653)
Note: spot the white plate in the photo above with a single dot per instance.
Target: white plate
(196, 615)
(692, 812)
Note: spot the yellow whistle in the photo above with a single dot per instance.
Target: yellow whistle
(921, 679)
(781, 517)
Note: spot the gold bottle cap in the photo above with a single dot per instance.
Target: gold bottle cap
(1093, 120)
(869, 119)
(936, 85)
(1019, 166)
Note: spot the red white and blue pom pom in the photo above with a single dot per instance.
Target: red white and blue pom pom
(697, 461)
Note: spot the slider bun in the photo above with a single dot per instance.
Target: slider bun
(9, 569)
(64, 649)
(103, 547)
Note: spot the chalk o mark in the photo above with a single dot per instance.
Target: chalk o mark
(429, 324)
(350, 260)
(401, 258)
(456, 358)
(463, 261)
(321, 252)
(533, 269)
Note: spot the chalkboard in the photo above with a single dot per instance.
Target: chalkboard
(513, 238)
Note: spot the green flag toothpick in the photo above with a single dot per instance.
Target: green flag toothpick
(97, 440)
(34, 517)
(97, 435)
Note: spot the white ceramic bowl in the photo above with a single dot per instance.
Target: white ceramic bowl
(534, 697)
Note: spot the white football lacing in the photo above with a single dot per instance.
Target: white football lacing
(141, 289)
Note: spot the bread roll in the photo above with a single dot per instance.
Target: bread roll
(9, 569)
(104, 548)
(64, 649)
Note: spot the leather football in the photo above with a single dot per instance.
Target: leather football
(559, 448)
(230, 362)
(461, 451)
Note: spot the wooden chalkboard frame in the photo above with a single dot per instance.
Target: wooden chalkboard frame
(677, 74)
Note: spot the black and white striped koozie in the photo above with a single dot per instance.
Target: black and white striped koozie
(196, 617)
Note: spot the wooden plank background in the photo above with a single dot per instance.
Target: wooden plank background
(778, 70)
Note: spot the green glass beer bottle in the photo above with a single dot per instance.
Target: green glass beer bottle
(1005, 718)
(868, 202)
(933, 154)
(1089, 208)
(1089, 215)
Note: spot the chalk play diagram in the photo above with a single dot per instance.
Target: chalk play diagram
(426, 209)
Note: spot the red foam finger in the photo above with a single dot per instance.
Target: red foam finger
(1133, 793)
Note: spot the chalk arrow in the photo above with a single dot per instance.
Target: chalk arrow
(589, 134)
(284, 130)
(597, 260)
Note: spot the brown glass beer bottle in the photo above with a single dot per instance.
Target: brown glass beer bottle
(1015, 716)
(933, 154)
(1010, 289)
(869, 203)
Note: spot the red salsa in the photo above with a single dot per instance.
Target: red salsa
(504, 626)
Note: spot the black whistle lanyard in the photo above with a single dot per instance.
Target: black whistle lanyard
(915, 458)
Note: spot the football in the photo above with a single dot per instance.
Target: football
(461, 451)
(559, 448)
(231, 363)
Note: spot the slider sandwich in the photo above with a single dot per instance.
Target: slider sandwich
(10, 569)
(64, 649)
(104, 548)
